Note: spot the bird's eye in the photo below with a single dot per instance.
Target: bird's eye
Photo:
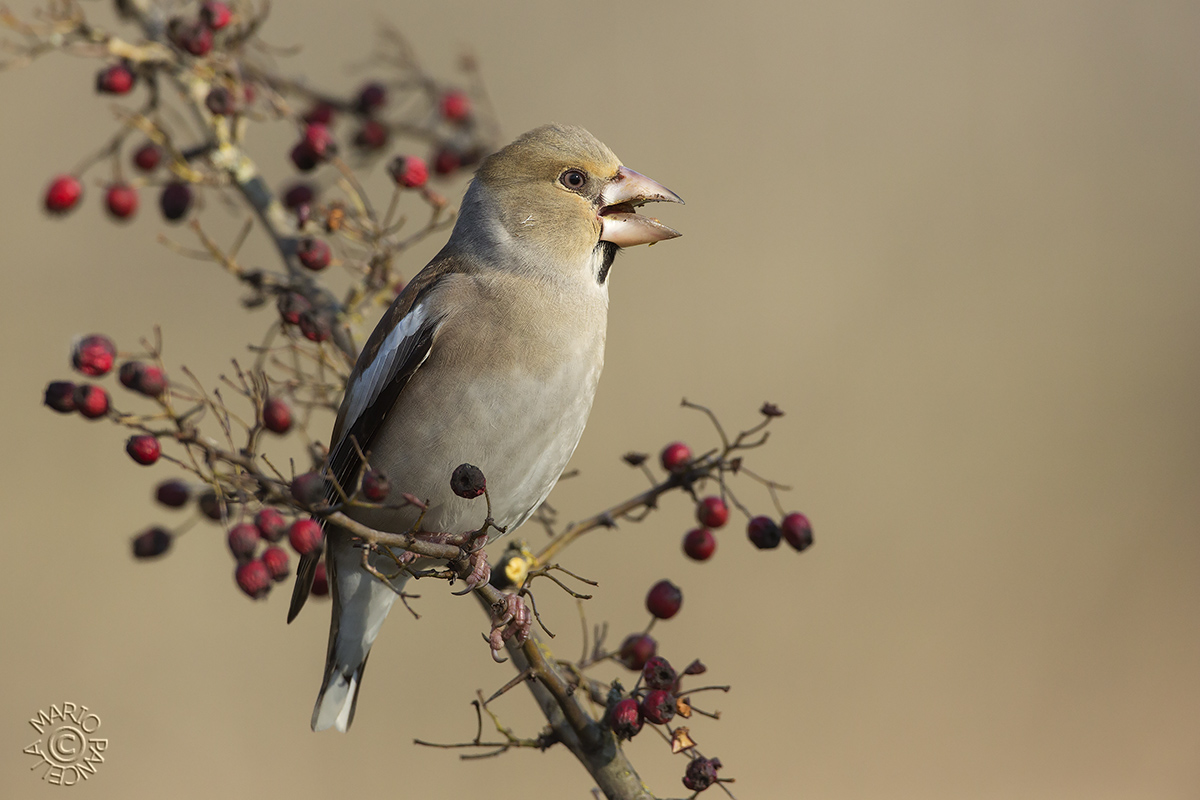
(573, 179)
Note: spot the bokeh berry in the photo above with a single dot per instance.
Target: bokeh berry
(664, 599)
(699, 544)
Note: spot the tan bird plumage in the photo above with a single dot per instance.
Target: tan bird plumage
(491, 356)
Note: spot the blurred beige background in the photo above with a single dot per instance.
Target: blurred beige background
(956, 242)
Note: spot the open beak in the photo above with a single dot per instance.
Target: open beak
(619, 221)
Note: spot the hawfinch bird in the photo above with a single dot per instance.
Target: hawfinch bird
(490, 356)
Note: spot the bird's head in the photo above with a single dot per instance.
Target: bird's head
(563, 200)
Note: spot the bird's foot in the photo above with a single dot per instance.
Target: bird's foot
(481, 570)
(510, 619)
(408, 557)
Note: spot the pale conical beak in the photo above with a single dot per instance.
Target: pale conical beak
(619, 220)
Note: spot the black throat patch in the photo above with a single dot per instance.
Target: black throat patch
(610, 253)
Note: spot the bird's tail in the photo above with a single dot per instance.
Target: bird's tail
(360, 604)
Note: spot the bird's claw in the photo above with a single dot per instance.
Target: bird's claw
(511, 619)
(481, 571)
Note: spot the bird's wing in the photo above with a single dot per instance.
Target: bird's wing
(399, 345)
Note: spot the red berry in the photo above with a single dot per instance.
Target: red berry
(314, 254)
(636, 650)
(143, 378)
(115, 79)
(658, 673)
(63, 194)
(797, 530)
(253, 578)
(147, 156)
(60, 396)
(446, 161)
(373, 135)
(320, 114)
(91, 401)
(658, 707)
(277, 416)
(320, 584)
(152, 542)
(275, 559)
(763, 532)
(701, 774)
(675, 457)
(291, 305)
(467, 481)
(375, 486)
(711, 512)
(664, 599)
(626, 718)
(144, 449)
(215, 15)
(243, 540)
(305, 536)
(121, 200)
(699, 544)
(298, 194)
(94, 354)
(370, 97)
(317, 326)
(409, 171)
(319, 140)
(195, 38)
(308, 489)
(456, 106)
(173, 493)
(271, 524)
(175, 200)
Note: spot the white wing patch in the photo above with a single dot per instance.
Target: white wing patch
(396, 346)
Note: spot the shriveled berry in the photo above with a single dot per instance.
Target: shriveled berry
(625, 718)
(147, 156)
(277, 416)
(658, 673)
(91, 401)
(215, 15)
(373, 135)
(309, 488)
(175, 200)
(94, 354)
(711, 512)
(63, 194)
(305, 536)
(60, 396)
(271, 524)
(291, 305)
(115, 79)
(658, 707)
(151, 542)
(243, 539)
(375, 486)
(314, 254)
(636, 650)
(455, 106)
(220, 101)
(468, 481)
(173, 493)
(121, 200)
(409, 171)
(699, 544)
(275, 559)
(320, 584)
(253, 578)
(372, 96)
(664, 599)
(298, 194)
(143, 448)
(764, 533)
(797, 530)
(701, 774)
(675, 457)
